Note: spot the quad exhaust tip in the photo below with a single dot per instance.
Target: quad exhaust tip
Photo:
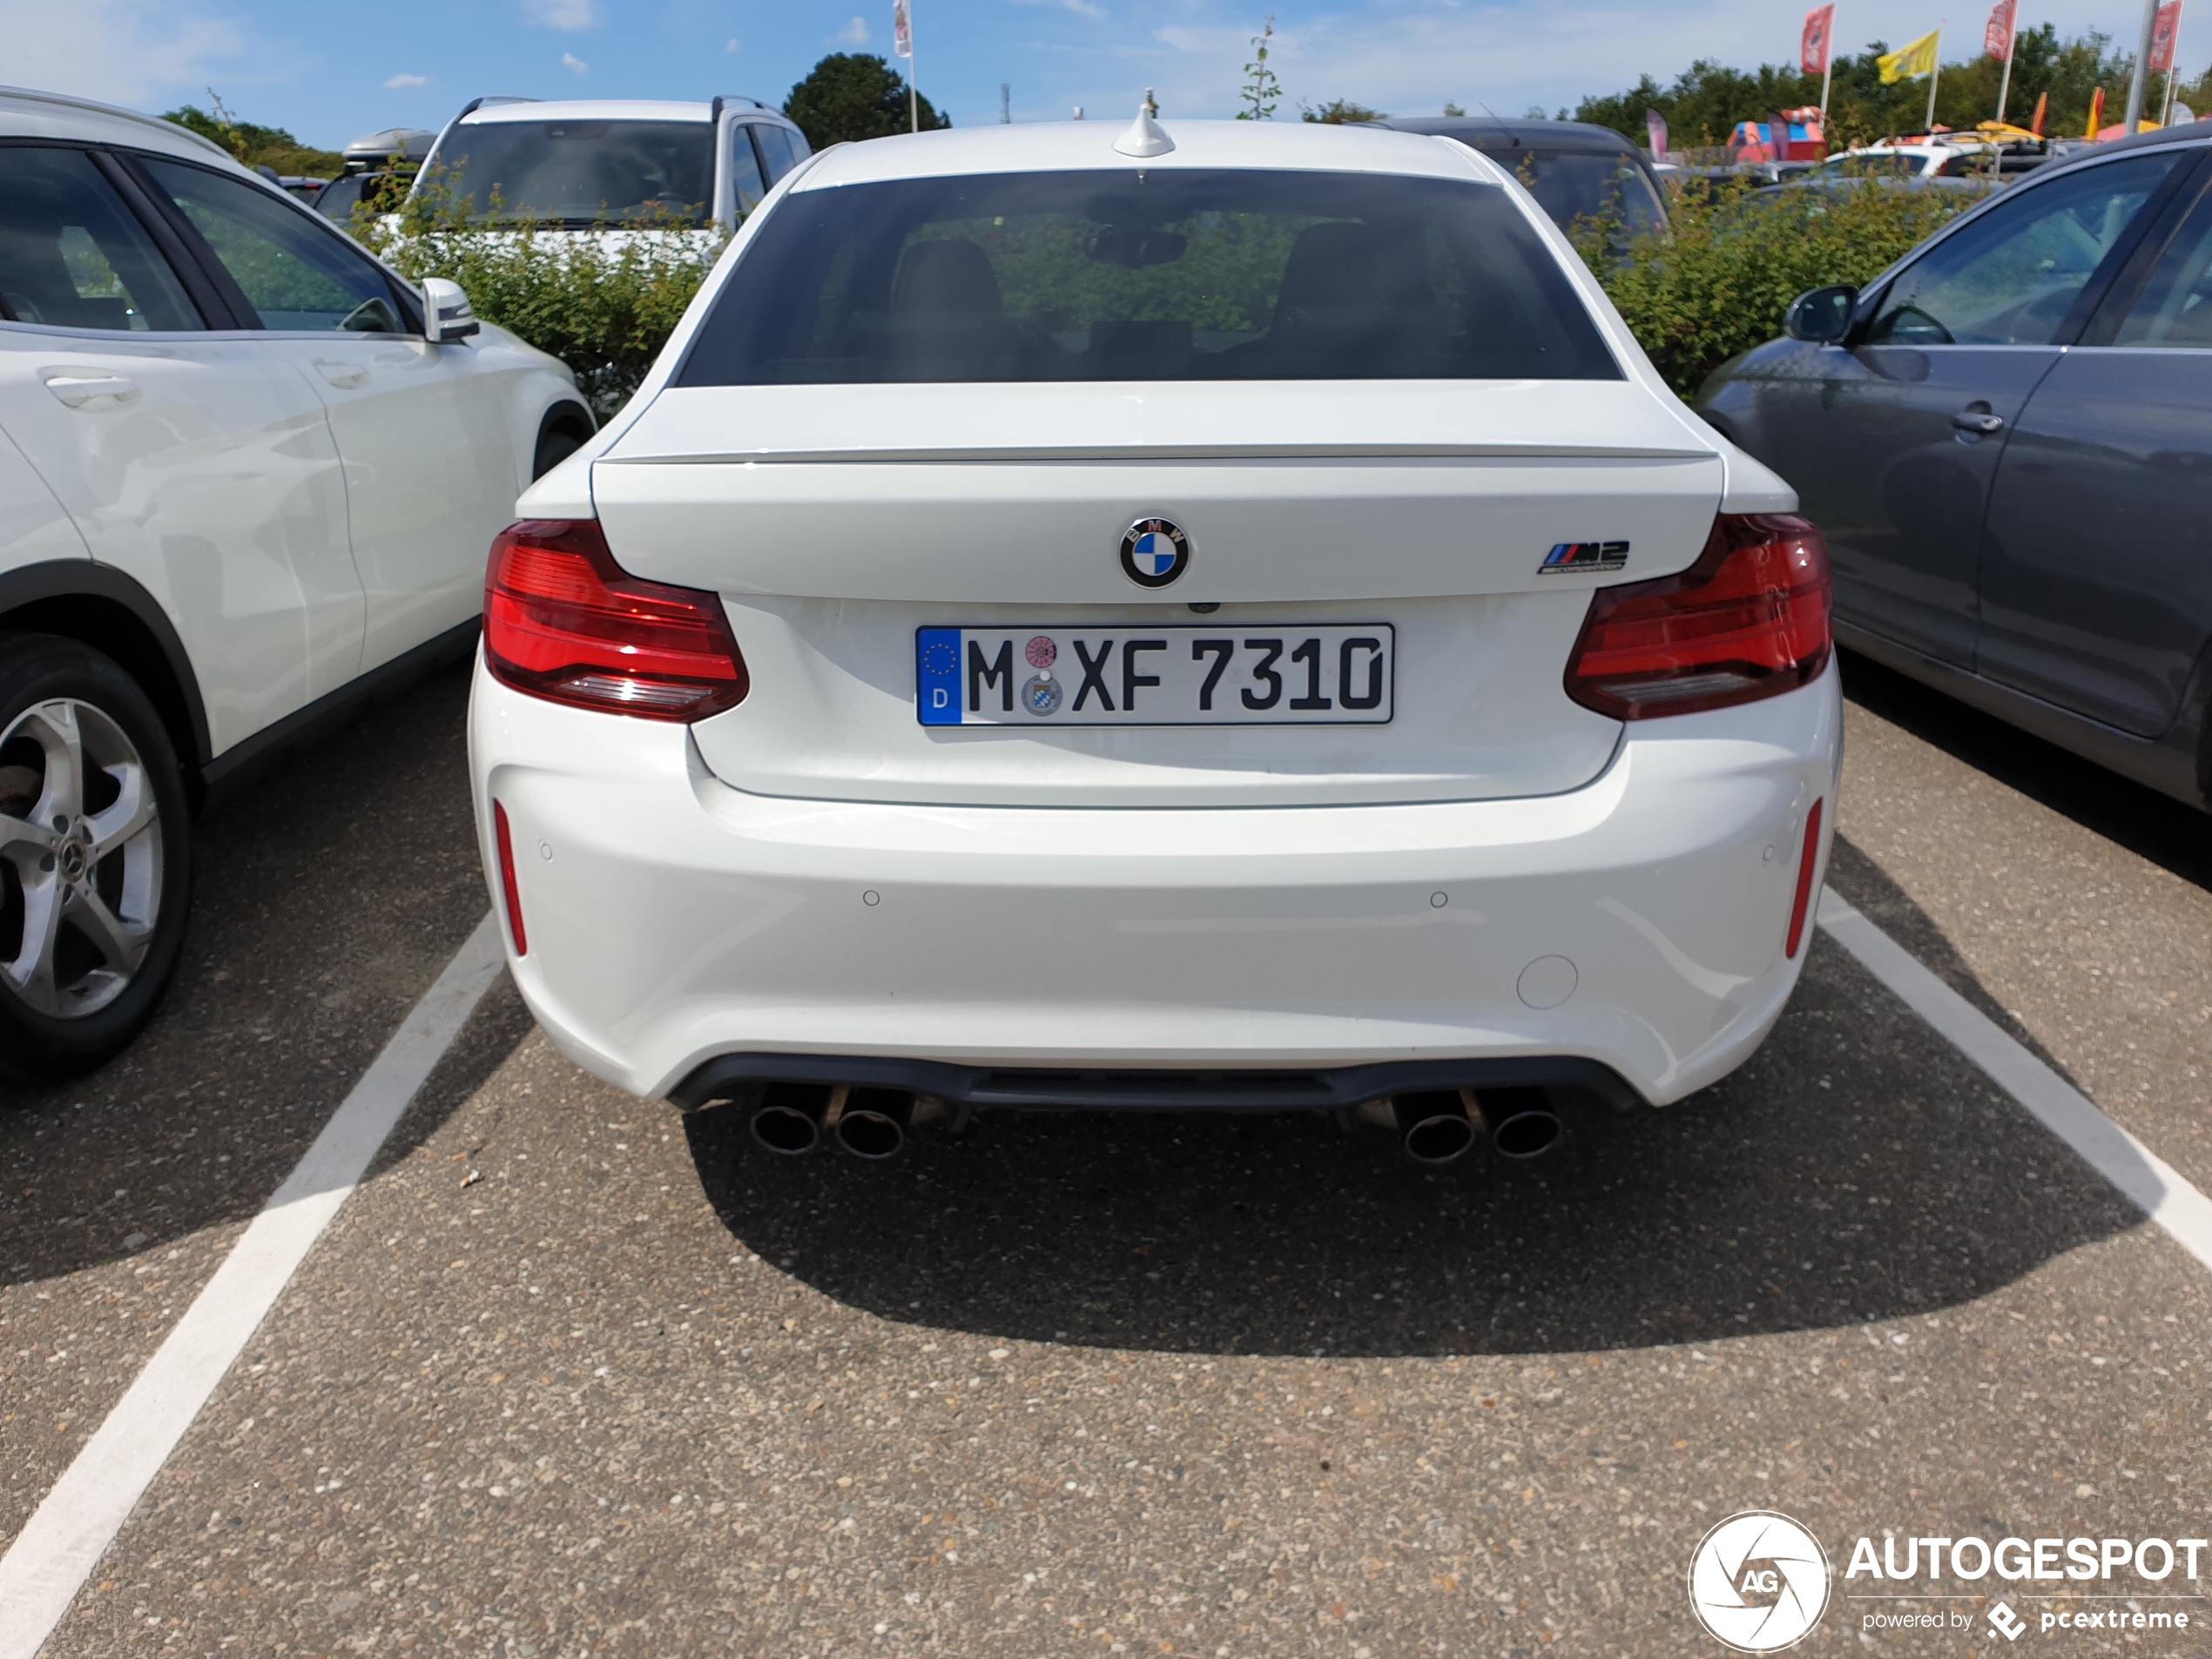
(792, 1119)
(1439, 1126)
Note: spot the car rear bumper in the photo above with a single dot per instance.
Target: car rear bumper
(1636, 923)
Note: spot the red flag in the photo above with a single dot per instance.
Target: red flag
(1812, 48)
(1655, 125)
(2168, 24)
(1997, 35)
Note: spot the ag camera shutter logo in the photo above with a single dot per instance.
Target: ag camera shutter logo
(1758, 1582)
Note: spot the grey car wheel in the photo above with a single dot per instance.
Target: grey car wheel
(81, 832)
(95, 857)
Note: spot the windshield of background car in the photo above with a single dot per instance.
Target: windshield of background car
(2010, 277)
(1570, 184)
(577, 172)
(1161, 275)
(1881, 166)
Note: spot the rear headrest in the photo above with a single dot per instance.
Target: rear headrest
(949, 276)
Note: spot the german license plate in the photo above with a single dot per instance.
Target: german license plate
(1262, 674)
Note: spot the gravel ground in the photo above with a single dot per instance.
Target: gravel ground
(575, 1373)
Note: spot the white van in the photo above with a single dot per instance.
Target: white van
(582, 163)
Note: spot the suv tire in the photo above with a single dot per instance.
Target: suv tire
(95, 858)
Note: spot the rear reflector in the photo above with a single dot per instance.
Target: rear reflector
(1749, 620)
(563, 621)
(507, 878)
(1808, 856)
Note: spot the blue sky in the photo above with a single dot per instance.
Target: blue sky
(331, 73)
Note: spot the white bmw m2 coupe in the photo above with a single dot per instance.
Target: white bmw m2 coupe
(1214, 615)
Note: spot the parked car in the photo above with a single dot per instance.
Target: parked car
(1574, 171)
(577, 165)
(2005, 438)
(1953, 156)
(247, 475)
(1223, 615)
(378, 168)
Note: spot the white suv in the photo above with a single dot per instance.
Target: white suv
(1225, 617)
(245, 483)
(578, 164)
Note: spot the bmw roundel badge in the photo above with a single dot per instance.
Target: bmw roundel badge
(1155, 551)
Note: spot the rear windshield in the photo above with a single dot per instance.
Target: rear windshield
(577, 172)
(1157, 275)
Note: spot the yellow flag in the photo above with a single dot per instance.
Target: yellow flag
(1910, 62)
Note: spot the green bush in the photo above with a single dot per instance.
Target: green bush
(604, 302)
(1734, 257)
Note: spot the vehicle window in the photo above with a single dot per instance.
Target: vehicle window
(295, 274)
(776, 149)
(2176, 306)
(579, 172)
(2010, 277)
(73, 256)
(744, 169)
(1169, 274)
(1570, 184)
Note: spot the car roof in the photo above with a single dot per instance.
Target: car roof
(27, 114)
(1068, 146)
(1490, 131)
(609, 109)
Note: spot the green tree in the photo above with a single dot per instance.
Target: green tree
(1708, 99)
(851, 96)
(1342, 112)
(1261, 91)
(255, 146)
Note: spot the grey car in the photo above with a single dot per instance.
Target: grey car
(2007, 440)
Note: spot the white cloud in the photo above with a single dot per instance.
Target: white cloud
(571, 61)
(570, 16)
(138, 52)
(1081, 8)
(855, 33)
(733, 46)
(398, 83)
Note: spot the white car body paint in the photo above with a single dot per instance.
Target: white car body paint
(1256, 897)
(296, 524)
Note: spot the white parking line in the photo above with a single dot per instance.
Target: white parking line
(2156, 1188)
(64, 1539)
(67, 1534)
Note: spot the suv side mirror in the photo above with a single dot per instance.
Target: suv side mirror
(1822, 317)
(446, 312)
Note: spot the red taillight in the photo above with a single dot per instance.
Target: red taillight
(563, 621)
(507, 878)
(1808, 856)
(1750, 619)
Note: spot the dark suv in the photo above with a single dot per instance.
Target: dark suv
(1574, 171)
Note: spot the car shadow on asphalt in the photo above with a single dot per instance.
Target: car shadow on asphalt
(1855, 1168)
(327, 899)
(2156, 827)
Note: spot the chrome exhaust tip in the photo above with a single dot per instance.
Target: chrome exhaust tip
(788, 1121)
(1435, 1124)
(1521, 1122)
(872, 1122)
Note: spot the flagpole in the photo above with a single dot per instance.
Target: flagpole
(2173, 58)
(1935, 74)
(2139, 84)
(1827, 71)
(913, 98)
(2005, 81)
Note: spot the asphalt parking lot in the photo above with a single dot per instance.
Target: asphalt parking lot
(575, 1373)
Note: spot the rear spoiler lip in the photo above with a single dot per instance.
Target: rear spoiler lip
(1176, 452)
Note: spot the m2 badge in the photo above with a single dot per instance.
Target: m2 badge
(1573, 558)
